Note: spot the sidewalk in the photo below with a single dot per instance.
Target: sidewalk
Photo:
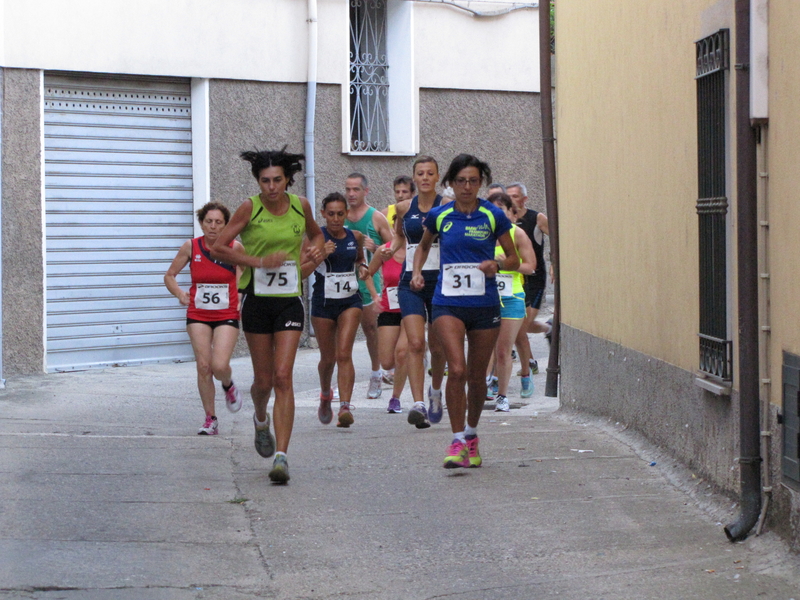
(106, 492)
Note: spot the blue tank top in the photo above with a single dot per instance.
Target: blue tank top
(413, 230)
(342, 260)
(466, 240)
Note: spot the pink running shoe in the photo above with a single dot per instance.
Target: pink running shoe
(457, 455)
(209, 427)
(474, 456)
(233, 398)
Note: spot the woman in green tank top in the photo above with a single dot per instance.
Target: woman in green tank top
(272, 225)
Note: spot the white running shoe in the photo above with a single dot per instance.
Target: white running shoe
(233, 398)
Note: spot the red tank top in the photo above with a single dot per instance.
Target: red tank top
(213, 295)
(391, 270)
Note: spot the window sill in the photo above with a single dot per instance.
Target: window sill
(715, 387)
(401, 153)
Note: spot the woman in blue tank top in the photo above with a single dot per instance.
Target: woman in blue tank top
(336, 306)
(416, 305)
(466, 301)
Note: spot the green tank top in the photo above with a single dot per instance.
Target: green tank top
(518, 286)
(266, 233)
(367, 227)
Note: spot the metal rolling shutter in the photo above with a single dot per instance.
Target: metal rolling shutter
(118, 190)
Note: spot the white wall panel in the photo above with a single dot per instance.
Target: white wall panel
(455, 50)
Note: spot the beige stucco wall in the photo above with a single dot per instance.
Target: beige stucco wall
(783, 192)
(627, 172)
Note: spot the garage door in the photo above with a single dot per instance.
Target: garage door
(118, 190)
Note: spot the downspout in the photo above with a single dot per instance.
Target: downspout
(550, 192)
(311, 108)
(747, 273)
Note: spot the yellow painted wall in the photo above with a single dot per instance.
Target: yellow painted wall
(627, 171)
(783, 143)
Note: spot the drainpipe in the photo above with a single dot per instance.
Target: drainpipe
(311, 107)
(747, 257)
(550, 192)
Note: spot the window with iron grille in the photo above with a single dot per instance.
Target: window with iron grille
(712, 205)
(369, 77)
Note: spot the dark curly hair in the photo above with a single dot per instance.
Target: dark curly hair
(333, 197)
(405, 180)
(262, 159)
(209, 206)
(501, 198)
(462, 161)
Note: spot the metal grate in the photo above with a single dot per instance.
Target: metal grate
(369, 77)
(712, 206)
(791, 420)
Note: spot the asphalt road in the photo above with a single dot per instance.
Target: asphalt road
(106, 492)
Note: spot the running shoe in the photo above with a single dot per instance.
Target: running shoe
(549, 333)
(280, 470)
(388, 377)
(492, 387)
(430, 371)
(345, 416)
(435, 409)
(418, 416)
(534, 366)
(374, 387)
(209, 427)
(457, 455)
(527, 387)
(233, 398)
(265, 442)
(336, 394)
(324, 412)
(513, 354)
(501, 404)
(475, 460)
(394, 406)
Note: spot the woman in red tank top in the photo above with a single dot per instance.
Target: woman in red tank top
(392, 340)
(212, 315)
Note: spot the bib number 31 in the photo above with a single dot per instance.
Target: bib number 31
(463, 279)
(276, 281)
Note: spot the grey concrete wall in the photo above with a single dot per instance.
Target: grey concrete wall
(783, 515)
(655, 398)
(23, 269)
(501, 128)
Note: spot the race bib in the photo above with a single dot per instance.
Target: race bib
(340, 285)
(431, 263)
(505, 284)
(391, 295)
(463, 279)
(279, 280)
(212, 296)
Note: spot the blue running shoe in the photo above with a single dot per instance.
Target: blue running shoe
(418, 416)
(492, 387)
(527, 387)
(435, 408)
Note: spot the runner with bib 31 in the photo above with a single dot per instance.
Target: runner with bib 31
(466, 301)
